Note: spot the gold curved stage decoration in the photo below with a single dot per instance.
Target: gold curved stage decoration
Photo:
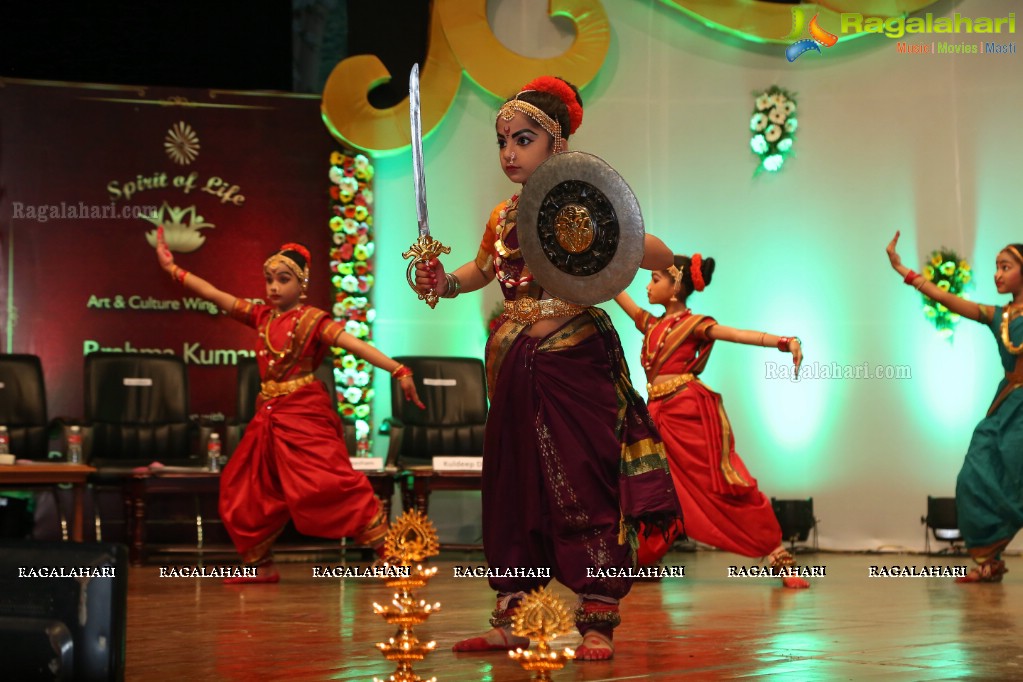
(355, 122)
(775, 22)
(501, 71)
(460, 40)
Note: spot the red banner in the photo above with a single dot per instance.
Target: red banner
(86, 175)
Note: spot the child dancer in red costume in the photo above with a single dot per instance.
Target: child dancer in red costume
(720, 500)
(291, 462)
(571, 462)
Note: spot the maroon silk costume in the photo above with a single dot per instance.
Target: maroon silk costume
(292, 462)
(720, 500)
(572, 463)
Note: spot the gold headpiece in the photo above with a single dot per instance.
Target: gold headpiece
(1015, 252)
(279, 259)
(508, 109)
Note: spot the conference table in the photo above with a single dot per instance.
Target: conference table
(38, 474)
(143, 484)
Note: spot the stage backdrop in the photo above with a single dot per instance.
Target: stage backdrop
(86, 174)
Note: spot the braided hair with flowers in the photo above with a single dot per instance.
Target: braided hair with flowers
(691, 273)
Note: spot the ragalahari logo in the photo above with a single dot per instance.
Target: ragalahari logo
(818, 36)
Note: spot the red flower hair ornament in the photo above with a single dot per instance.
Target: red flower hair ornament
(696, 270)
(563, 91)
(297, 248)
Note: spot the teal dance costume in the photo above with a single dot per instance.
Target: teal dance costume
(989, 491)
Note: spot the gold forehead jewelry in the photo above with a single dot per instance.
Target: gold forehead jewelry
(507, 113)
(277, 260)
(1015, 252)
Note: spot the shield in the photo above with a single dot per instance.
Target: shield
(580, 228)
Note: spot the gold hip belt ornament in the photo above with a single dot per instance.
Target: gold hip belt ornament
(272, 389)
(655, 391)
(527, 310)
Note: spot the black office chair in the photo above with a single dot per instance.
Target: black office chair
(454, 390)
(137, 410)
(23, 411)
(23, 405)
(454, 421)
(137, 413)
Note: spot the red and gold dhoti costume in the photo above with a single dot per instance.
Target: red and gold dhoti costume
(291, 462)
(720, 500)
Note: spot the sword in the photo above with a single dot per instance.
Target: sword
(426, 247)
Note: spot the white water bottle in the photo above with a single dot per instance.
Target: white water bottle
(5, 441)
(213, 453)
(74, 445)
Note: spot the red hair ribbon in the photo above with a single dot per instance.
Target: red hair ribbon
(563, 91)
(696, 270)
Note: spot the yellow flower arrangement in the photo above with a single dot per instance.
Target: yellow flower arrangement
(949, 273)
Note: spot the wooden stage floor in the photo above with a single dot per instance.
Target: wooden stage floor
(706, 626)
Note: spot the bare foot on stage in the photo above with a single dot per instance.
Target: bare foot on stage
(267, 573)
(794, 583)
(497, 639)
(988, 572)
(595, 647)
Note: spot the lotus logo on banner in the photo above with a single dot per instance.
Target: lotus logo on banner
(818, 36)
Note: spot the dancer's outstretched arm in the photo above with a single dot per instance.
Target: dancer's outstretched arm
(956, 304)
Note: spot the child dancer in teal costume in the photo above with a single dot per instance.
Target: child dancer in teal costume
(989, 491)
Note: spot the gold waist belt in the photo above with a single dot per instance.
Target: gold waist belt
(528, 310)
(666, 388)
(272, 389)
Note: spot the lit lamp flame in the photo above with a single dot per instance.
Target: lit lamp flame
(541, 616)
(411, 539)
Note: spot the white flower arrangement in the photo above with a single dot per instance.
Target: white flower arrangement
(773, 125)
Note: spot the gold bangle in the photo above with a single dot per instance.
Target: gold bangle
(396, 369)
(454, 286)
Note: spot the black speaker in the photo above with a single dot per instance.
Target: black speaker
(795, 517)
(63, 605)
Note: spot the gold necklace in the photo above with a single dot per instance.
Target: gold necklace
(650, 355)
(266, 336)
(507, 215)
(1009, 313)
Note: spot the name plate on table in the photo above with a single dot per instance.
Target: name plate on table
(367, 463)
(474, 464)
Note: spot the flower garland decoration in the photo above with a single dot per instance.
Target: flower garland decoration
(773, 125)
(351, 268)
(949, 273)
